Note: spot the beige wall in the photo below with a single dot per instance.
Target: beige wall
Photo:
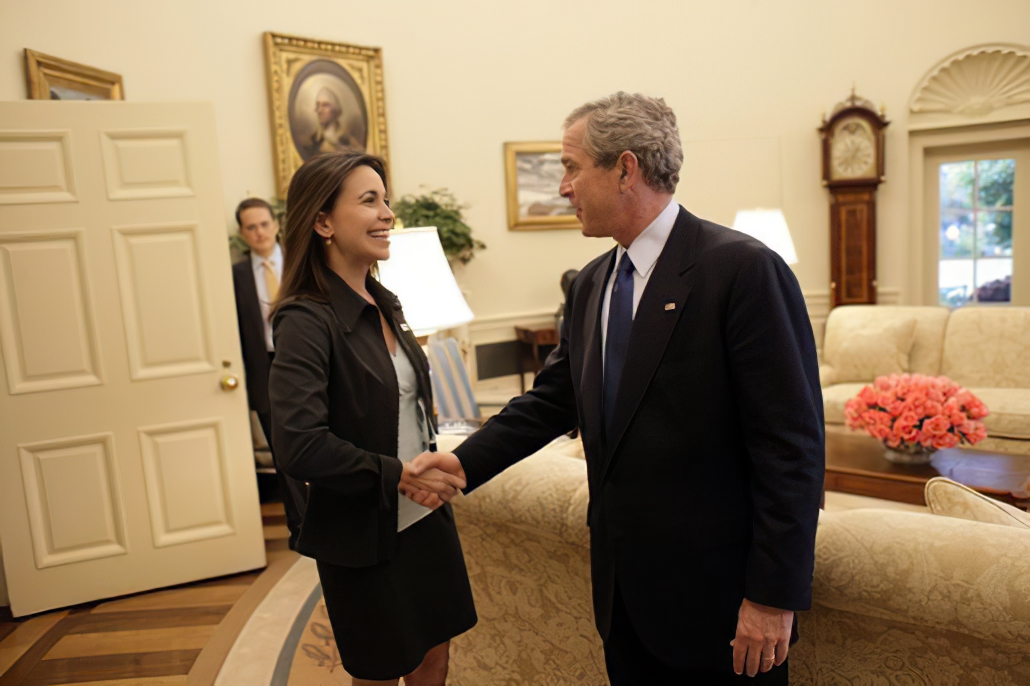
(748, 79)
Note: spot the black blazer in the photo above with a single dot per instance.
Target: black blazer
(334, 399)
(708, 488)
(256, 364)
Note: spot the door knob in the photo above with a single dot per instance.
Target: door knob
(230, 382)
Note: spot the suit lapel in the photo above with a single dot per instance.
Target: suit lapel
(249, 287)
(370, 350)
(252, 324)
(660, 308)
(593, 366)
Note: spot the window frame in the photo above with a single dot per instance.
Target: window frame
(927, 150)
(975, 210)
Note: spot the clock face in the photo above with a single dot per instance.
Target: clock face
(853, 150)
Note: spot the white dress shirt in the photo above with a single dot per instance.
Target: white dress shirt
(257, 262)
(644, 251)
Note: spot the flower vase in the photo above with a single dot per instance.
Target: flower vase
(909, 454)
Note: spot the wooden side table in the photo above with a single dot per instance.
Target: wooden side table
(530, 341)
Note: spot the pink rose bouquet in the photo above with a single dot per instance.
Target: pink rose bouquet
(914, 413)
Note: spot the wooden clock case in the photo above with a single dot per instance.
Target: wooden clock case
(853, 208)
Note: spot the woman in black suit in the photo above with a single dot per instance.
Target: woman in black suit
(351, 405)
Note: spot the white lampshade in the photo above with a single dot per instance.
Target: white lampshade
(419, 274)
(770, 227)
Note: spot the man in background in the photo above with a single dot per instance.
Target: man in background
(256, 283)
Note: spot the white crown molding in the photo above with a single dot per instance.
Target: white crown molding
(981, 84)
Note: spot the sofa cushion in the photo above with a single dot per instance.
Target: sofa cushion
(1009, 411)
(924, 357)
(951, 499)
(988, 347)
(880, 349)
(834, 398)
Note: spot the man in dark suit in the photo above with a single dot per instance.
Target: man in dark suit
(256, 282)
(688, 363)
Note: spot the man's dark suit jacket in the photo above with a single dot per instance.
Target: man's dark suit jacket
(256, 363)
(708, 487)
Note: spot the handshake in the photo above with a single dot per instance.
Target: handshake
(432, 479)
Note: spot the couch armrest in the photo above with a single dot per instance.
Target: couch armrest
(928, 570)
(546, 493)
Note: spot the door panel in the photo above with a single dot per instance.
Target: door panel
(162, 300)
(47, 331)
(35, 166)
(124, 466)
(146, 164)
(74, 499)
(185, 468)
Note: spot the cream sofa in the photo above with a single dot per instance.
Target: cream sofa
(986, 349)
(900, 598)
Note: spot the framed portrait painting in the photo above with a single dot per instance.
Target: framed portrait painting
(52, 78)
(324, 97)
(533, 172)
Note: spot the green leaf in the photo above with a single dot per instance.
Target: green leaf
(441, 209)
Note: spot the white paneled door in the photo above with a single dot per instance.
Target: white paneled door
(125, 464)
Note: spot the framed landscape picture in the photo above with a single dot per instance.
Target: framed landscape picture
(52, 78)
(533, 172)
(323, 97)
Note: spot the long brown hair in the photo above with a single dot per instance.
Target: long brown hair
(315, 188)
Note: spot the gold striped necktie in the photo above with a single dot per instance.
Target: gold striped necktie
(271, 280)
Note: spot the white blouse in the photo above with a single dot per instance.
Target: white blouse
(412, 433)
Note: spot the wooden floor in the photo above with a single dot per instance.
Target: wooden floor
(150, 639)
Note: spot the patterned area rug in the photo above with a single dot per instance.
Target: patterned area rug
(315, 659)
(288, 640)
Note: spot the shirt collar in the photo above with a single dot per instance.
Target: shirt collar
(348, 305)
(276, 258)
(645, 248)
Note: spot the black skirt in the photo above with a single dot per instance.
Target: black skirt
(388, 616)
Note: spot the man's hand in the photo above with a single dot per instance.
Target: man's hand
(763, 638)
(432, 479)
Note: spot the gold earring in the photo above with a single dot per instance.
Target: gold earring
(329, 241)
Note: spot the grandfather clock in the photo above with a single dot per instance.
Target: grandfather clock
(852, 169)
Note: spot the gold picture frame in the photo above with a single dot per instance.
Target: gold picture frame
(322, 96)
(52, 78)
(533, 172)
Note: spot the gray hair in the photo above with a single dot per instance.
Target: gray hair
(640, 124)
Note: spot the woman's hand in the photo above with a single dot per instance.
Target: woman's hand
(425, 481)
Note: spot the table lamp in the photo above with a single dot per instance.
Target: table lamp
(770, 227)
(418, 273)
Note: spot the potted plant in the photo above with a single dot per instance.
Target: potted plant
(441, 209)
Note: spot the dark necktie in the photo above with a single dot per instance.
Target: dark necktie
(616, 345)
